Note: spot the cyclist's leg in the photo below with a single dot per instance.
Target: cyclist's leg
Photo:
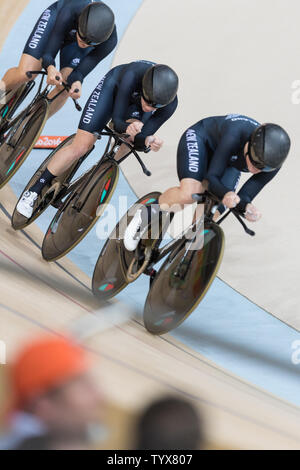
(33, 51)
(83, 142)
(95, 116)
(16, 76)
(191, 170)
(60, 163)
(71, 56)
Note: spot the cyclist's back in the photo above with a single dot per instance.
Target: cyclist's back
(233, 128)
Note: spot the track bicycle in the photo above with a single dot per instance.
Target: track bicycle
(183, 278)
(19, 135)
(81, 201)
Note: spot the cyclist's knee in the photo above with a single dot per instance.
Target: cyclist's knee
(188, 188)
(20, 74)
(186, 197)
(186, 194)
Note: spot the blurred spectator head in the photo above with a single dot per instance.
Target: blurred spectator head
(169, 423)
(50, 380)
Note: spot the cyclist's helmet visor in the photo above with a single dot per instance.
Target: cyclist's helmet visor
(256, 162)
(86, 40)
(150, 103)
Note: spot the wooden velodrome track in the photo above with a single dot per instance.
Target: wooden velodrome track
(131, 365)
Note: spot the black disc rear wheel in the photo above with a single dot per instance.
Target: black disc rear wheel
(182, 282)
(80, 211)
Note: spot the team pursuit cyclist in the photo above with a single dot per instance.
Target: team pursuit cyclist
(82, 31)
(217, 150)
(138, 97)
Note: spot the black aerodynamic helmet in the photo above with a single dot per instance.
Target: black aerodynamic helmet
(269, 147)
(96, 23)
(160, 86)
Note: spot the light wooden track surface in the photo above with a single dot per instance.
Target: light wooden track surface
(9, 13)
(132, 366)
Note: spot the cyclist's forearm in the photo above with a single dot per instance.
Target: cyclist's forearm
(75, 76)
(216, 186)
(90, 62)
(51, 52)
(241, 207)
(140, 141)
(47, 61)
(120, 125)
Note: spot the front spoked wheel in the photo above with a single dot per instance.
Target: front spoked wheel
(81, 210)
(19, 140)
(116, 267)
(46, 197)
(182, 281)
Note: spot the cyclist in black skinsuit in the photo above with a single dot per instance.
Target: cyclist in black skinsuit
(218, 149)
(119, 96)
(82, 31)
(138, 97)
(214, 149)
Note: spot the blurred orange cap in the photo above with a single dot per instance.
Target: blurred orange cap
(44, 364)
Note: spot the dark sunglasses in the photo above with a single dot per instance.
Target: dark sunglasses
(86, 41)
(260, 166)
(153, 105)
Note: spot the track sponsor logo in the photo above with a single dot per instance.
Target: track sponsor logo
(49, 142)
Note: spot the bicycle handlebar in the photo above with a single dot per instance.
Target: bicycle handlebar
(239, 218)
(122, 138)
(65, 86)
(201, 199)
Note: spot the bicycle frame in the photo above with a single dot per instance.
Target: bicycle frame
(38, 96)
(173, 246)
(109, 154)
